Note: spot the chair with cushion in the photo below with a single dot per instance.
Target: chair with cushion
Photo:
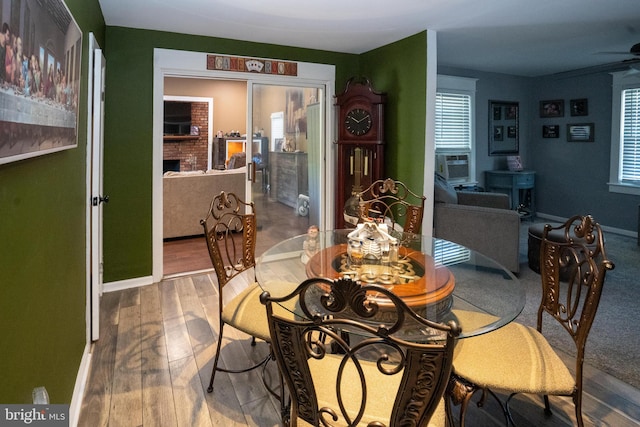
(230, 230)
(480, 221)
(374, 377)
(393, 202)
(533, 246)
(517, 358)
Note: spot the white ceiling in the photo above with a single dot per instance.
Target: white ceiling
(519, 37)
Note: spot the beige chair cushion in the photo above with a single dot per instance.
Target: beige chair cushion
(246, 313)
(514, 359)
(473, 320)
(380, 391)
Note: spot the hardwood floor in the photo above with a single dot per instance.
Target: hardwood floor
(152, 364)
(276, 222)
(185, 255)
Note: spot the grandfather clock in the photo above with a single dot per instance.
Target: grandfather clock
(360, 140)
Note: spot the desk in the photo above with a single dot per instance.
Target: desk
(455, 283)
(513, 183)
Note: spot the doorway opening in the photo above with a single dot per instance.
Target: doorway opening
(268, 164)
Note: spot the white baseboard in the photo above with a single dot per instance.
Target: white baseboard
(615, 230)
(79, 388)
(127, 284)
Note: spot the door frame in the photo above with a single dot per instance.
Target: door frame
(176, 63)
(95, 140)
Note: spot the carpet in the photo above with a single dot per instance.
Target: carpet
(613, 344)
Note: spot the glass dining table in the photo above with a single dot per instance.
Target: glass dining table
(438, 279)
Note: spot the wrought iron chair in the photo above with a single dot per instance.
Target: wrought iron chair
(517, 358)
(376, 378)
(393, 202)
(230, 231)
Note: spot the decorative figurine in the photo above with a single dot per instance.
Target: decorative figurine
(372, 243)
(310, 245)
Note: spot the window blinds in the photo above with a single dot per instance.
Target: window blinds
(449, 253)
(630, 135)
(453, 122)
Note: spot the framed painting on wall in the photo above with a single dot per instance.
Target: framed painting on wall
(551, 131)
(579, 107)
(581, 132)
(503, 127)
(553, 108)
(40, 82)
(294, 110)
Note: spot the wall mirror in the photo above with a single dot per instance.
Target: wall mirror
(503, 127)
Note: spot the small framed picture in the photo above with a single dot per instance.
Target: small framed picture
(581, 132)
(579, 107)
(553, 108)
(551, 131)
(497, 112)
(195, 130)
(498, 133)
(514, 163)
(511, 131)
(510, 112)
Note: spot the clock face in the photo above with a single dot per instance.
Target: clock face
(358, 121)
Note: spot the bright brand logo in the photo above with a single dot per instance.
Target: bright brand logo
(36, 415)
(27, 416)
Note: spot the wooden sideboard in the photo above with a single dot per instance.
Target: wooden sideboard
(289, 176)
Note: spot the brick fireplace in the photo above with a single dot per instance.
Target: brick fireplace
(190, 153)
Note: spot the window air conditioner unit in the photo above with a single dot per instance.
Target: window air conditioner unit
(453, 167)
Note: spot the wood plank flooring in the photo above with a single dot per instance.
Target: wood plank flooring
(276, 222)
(152, 365)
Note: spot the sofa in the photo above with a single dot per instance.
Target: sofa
(187, 196)
(480, 221)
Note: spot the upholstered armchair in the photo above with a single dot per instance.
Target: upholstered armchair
(480, 221)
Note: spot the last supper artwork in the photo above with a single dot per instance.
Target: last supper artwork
(40, 62)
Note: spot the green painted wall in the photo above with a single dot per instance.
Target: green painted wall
(42, 200)
(128, 132)
(400, 70)
(42, 257)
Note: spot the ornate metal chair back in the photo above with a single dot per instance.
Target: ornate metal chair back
(230, 231)
(574, 303)
(392, 200)
(362, 325)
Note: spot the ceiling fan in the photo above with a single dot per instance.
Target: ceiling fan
(634, 51)
(629, 63)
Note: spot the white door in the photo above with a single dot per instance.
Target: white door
(95, 150)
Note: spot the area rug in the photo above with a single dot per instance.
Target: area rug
(613, 344)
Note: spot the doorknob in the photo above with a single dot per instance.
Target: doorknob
(97, 200)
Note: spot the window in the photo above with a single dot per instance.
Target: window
(625, 133)
(630, 135)
(453, 122)
(277, 130)
(455, 127)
